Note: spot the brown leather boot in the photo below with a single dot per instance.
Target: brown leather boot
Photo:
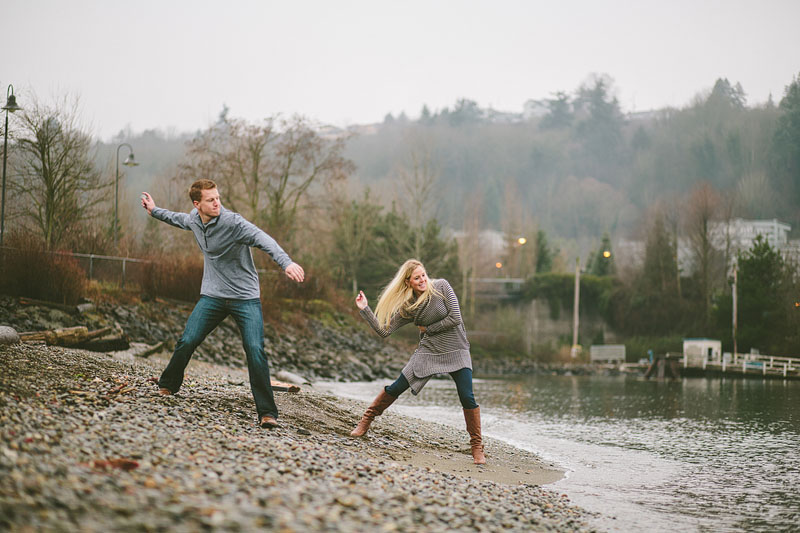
(379, 404)
(473, 419)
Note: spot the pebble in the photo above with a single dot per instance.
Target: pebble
(78, 449)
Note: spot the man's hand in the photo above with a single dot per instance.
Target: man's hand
(148, 203)
(294, 272)
(361, 300)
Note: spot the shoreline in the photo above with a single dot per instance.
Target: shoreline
(88, 443)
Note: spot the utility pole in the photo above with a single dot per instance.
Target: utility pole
(735, 320)
(575, 309)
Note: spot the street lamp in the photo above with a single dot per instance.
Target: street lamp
(11, 105)
(129, 162)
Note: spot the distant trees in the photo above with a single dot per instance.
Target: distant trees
(265, 169)
(380, 242)
(785, 147)
(353, 230)
(559, 112)
(55, 182)
(599, 128)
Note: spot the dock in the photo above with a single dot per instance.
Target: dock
(739, 364)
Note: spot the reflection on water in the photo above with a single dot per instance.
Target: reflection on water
(688, 455)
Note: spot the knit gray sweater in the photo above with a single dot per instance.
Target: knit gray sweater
(228, 268)
(443, 348)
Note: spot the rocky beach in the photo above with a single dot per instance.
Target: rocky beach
(88, 445)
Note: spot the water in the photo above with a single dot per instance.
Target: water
(688, 455)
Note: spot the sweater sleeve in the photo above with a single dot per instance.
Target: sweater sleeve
(453, 317)
(179, 220)
(251, 235)
(396, 323)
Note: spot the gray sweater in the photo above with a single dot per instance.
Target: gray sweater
(443, 348)
(228, 268)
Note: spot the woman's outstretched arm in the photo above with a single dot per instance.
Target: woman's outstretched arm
(397, 321)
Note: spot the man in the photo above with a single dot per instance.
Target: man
(230, 287)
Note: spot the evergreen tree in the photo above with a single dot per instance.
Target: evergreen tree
(394, 240)
(544, 254)
(762, 307)
(601, 263)
(559, 114)
(786, 141)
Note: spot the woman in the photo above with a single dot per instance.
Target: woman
(443, 347)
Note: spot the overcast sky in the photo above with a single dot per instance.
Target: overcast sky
(161, 64)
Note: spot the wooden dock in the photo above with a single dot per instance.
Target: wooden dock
(743, 364)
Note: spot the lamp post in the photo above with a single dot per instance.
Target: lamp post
(11, 105)
(129, 162)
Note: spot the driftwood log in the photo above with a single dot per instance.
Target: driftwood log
(100, 340)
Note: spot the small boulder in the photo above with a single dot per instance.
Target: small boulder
(8, 335)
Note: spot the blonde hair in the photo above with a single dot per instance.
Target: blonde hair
(398, 296)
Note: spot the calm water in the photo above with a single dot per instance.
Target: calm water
(689, 455)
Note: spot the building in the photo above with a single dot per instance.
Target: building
(701, 349)
(739, 234)
(731, 236)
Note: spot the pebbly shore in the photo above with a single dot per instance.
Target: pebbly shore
(319, 342)
(87, 444)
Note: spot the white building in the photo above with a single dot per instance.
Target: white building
(740, 233)
(735, 235)
(698, 350)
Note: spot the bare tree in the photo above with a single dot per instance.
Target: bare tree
(266, 169)
(56, 183)
(703, 208)
(417, 180)
(470, 250)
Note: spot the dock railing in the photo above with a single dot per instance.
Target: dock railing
(746, 363)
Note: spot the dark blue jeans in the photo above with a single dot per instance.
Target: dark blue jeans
(462, 377)
(207, 315)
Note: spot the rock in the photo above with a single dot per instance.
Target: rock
(8, 335)
(291, 377)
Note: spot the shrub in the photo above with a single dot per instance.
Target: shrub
(32, 272)
(178, 277)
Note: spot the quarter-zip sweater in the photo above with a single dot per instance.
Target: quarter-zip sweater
(228, 268)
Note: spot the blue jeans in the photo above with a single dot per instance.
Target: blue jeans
(207, 315)
(462, 377)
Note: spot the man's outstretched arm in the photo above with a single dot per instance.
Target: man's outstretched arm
(179, 220)
(251, 235)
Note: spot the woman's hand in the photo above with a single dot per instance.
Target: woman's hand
(423, 329)
(361, 300)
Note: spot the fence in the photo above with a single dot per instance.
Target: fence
(119, 270)
(748, 363)
(112, 269)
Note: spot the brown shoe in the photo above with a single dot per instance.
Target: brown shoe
(164, 391)
(268, 422)
(379, 405)
(473, 419)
